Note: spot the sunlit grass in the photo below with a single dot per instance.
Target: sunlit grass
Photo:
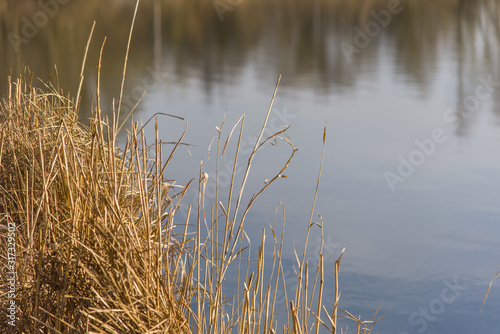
(95, 242)
(101, 248)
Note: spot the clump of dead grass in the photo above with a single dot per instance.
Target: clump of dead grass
(93, 222)
(96, 248)
(94, 233)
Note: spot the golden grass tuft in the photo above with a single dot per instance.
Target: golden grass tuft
(95, 242)
(93, 222)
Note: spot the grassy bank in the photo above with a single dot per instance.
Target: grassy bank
(91, 238)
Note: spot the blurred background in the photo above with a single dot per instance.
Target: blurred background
(384, 73)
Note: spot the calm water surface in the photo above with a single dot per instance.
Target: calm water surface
(411, 178)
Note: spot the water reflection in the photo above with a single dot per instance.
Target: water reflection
(301, 39)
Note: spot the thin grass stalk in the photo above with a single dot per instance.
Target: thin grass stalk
(249, 164)
(489, 288)
(82, 76)
(301, 263)
(125, 64)
(228, 231)
(198, 254)
(260, 282)
(337, 292)
(305, 310)
(321, 282)
(218, 316)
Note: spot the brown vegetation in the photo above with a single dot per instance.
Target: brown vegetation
(95, 244)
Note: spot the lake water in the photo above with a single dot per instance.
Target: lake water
(410, 91)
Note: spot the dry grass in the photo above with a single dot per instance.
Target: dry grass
(95, 244)
(93, 223)
(96, 247)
